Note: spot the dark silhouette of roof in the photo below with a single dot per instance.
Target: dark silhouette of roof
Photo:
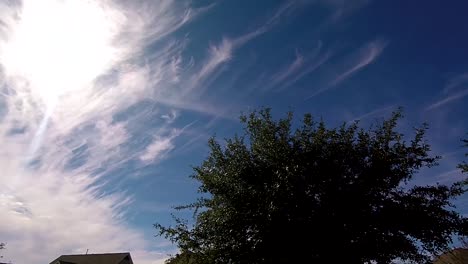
(107, 258)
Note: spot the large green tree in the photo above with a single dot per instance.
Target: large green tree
(322, 195)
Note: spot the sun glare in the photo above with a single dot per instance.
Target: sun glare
(59, 46)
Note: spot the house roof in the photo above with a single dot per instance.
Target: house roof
(107, 258)
(456, 256)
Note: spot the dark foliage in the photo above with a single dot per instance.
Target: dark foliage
(464, 166)
(2, 246)
(325, 195)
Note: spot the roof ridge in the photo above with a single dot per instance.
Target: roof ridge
(104, 258)
(113, 253)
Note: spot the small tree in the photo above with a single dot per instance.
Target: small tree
(2, 246)
(459, 255)
(316, 194)
(464, 166)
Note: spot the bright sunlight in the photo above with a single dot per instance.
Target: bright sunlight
(59, 46)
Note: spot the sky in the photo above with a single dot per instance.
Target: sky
(105, 106)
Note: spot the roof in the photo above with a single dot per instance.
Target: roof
(107, 258)
(456, 256)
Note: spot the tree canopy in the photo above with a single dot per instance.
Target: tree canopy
(278, 194)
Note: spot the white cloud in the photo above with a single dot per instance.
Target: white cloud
(217, 55)
(171, 116)
(54, 195)
(450, 176)
(444, 101)
(155, 151)
(342, 8)
(60, 138)
(302, 66)
(372, 113)
(220, 54)
(148, 22)
(291, 69)
(365, 56)
(455, 89)
(355, 63)
(456, 82)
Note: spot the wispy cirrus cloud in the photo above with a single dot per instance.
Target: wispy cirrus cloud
(157, 21)
(221, 53)
(302, 66)
(181, 82)
(289, 70)
(450, 176)
(365, 56)
(448, 99)
(83, 98)
(376, 112)
(357, 61)
(455, 89)
(190, 79)
(171, 116)
(342, 8)
(217, 56)
(159, 147)
(74, 88)
(456, 82)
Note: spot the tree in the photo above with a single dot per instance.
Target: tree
(2, 246)
(464, 166)
(457, 255)
(324, 195)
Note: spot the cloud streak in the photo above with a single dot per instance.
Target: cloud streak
(365, 56)
(342, 8)
(302, 66)
(359, 60)
(446, 100)
(456, 82)
(455, 89)
(220, 54)
(291, 69)
(372, 113)
(159, 147)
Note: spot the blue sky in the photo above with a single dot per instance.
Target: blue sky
(106, 105)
